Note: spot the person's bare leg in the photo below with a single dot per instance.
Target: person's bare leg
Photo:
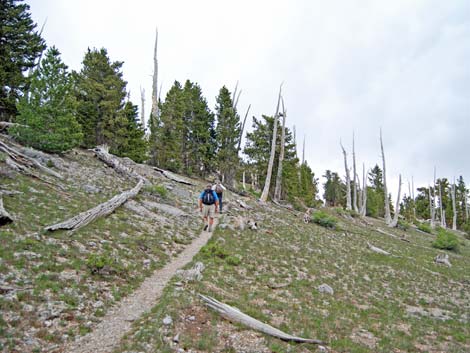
(211, 222)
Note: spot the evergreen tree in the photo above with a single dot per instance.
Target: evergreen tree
(20, 46)
(461, 199)
(170, 132)
(129, 135)
(100, 91)
(227, 134)
(199, 133)
(334, 189)
(375, 193)
(423, 210)
(47, 114)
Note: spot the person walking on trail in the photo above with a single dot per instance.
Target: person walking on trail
(219, 190)
(208, 205)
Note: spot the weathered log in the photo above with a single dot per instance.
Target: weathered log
(5, 217)
(235, 315)
(377, 250)
(173, 177)
(103, 209)
(111, 160)
(21, 159)
(6, 124)
(392, 235)
(443, 259)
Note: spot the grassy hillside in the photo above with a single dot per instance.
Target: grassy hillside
(55, 286)
(399, 303)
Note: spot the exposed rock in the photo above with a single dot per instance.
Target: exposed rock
(167, 321)
(325, 288)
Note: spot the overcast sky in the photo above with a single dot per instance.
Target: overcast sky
(401, 65)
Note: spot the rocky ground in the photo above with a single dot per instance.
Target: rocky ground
(304, 279)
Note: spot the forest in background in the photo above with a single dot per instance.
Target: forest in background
(54, 109)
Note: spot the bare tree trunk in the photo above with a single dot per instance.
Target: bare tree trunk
(435, 195)
(252, 181)
(142, 107)
(155, 112)
(243, 182)
(431, 208)
(394, 222)
(364, 192)
(443, 218)
(348, 180)
(466, 206)
(101, 210)
(413, 193)
(354, 181)
(454, 220)
(277, 190)
(243, 128)
(388, 218)
(267, 182)
(303, 152)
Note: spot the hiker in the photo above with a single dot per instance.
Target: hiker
(219, 190)
(208, 205)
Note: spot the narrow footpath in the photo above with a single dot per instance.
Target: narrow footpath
(107, 335)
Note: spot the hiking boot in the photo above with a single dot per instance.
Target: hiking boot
(205, 227)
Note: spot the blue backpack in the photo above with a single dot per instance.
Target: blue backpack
(208, 197)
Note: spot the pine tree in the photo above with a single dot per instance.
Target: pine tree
(47, 113)
(334, 189)
(227, 134)
(129, 135)
(199, 133)
(170, 132)
(375, 193)
(20, 46)
(100, 91)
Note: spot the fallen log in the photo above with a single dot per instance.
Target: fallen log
(101, 210)
(172, 176)
(5, 217)
(235, 315)
(18, 159)
(111, 160)
(377, 250)
(380, 230)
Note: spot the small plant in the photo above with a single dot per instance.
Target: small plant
(233, 260)
(445, 240)
(96, 263)
(403, 225)
(157, 190)
(50, 163)
(3, 157)
(424, 227)
(324, 219)
(214, 250)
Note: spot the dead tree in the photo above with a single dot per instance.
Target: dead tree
(267, 182)
(441, 207)
(394, 222)
(101, 210)
(242, 129)
(142, 108)
(431, 208)
(413, 196)
(155, 109)
(363, 209)
(235, 315)
(454, 208)
(387, 216)
(354, 174)
(277, 190)
(348, 179)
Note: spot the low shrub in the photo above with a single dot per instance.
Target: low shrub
(425, 227)
(214, 250)
(446, 240)
(159, 190)
(324, 219)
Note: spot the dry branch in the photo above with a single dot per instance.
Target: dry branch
(235, 315)
(172, 176)
(21, 162)
(377, 250)
(103, 154)
(103, 209)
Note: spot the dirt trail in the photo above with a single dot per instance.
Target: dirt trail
(107, 335)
